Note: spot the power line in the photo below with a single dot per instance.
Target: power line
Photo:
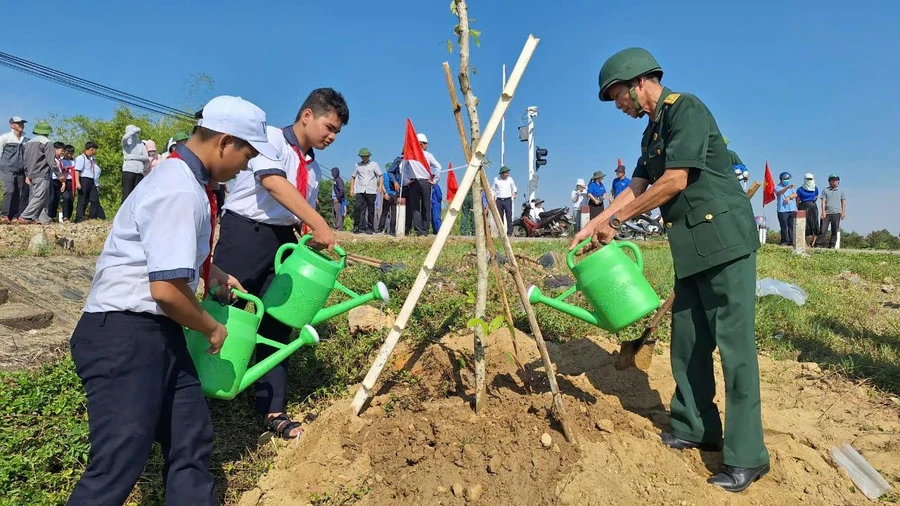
(90, 87)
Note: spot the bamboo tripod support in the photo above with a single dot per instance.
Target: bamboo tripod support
(495, 265)
(364, 392)
(558, 406)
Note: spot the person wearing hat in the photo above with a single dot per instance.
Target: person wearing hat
(135, 157)
(366, 184)
(537, 207)
(418, 180)
(391, 182)
(713, 240)
(129, 347)
(596, 194)
(578, 197)
(267, 205)
(807, 198)
(40, 162)
(786, 202)
(619, 183)
(12, 171)
(737, 165)
(834, 209)
(505, 191)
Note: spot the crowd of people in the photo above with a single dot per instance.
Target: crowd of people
(825, 209)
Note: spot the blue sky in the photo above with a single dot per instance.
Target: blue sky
(810, 87)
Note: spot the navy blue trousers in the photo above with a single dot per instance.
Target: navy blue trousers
(141, 387)
(246, 250)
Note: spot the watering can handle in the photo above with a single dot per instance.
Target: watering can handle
(638, 257)
(570, 258)
(280, 254)
(337, 249)
(249, 297)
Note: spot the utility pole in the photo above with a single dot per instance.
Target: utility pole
(532, 112)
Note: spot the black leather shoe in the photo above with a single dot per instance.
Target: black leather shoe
(737, 479)
(680, 444)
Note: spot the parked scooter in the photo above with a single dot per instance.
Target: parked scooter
(553, 223)
(641, 227)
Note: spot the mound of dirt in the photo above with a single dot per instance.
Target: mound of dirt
(420, 441)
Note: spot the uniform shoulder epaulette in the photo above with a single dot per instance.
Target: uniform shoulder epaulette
(671, 98)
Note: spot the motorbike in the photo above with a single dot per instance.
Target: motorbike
(553, 223)
(641, 227)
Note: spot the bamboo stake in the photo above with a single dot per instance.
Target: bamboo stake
(475, 161)
(476, 196)
(480, 299)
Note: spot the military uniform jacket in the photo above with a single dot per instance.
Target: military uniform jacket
(711, 221)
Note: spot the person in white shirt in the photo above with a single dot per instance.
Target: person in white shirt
(135, 157)
(366, 184)
(579, 198)
(87, 179)
(261, 212)
(129, 346)
(505, 191)
(12, 170)
(419, 180)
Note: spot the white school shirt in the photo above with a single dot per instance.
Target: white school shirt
(504, 188)
(88, 168)
(412, 169)
(250, 199)
(161, 232)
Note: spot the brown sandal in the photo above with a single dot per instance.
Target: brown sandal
(282, 426)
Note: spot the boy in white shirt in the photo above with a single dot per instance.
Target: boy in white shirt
(129, 347)
(261, 212)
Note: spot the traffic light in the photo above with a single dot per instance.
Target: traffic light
(539, 154)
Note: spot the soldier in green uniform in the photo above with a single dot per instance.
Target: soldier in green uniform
(740, 170)
(713, 240)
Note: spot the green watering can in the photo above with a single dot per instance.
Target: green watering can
(303, 282)
(226, 374)
(612, 282)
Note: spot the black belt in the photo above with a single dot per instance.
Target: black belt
(256, 223)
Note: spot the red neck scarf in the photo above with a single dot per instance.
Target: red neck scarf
(302, 179)
(207, 264)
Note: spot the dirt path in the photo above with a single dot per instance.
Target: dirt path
(420, 442)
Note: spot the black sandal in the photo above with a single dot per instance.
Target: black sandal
(282, 426)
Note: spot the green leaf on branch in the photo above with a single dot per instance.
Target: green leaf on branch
(449, 46)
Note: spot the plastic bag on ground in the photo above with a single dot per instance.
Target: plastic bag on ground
(769, 286)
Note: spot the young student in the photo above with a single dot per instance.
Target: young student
(68, 189)
(57, 181)
(129, 348)
(260, 214)
(87, 179)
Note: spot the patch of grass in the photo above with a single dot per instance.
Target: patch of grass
(843, 327)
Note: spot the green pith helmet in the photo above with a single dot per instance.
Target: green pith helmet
(504, 169)
(624, 66)
(364, 152)
(180, 136)
(42, 128)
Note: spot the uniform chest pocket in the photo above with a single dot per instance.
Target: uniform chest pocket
(712, 227)
(656, 157)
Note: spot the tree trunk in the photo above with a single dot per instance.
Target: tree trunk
(462, 11)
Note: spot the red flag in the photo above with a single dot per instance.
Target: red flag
(411, 148)
(452, 185)
(769, 187)
(620, 161)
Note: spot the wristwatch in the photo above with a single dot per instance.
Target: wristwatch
(615, 223)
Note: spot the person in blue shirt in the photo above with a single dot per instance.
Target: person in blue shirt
(786, 199)
(619, 183)
(806, 201)
(388, 221)
(596, 194)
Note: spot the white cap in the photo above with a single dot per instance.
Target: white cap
(580, 182)
(809, 175)
(237, 117)
(16, 119)
(422, 138)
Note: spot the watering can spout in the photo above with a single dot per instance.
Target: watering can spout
(308, 336)
(535, 296)
(379, 292)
